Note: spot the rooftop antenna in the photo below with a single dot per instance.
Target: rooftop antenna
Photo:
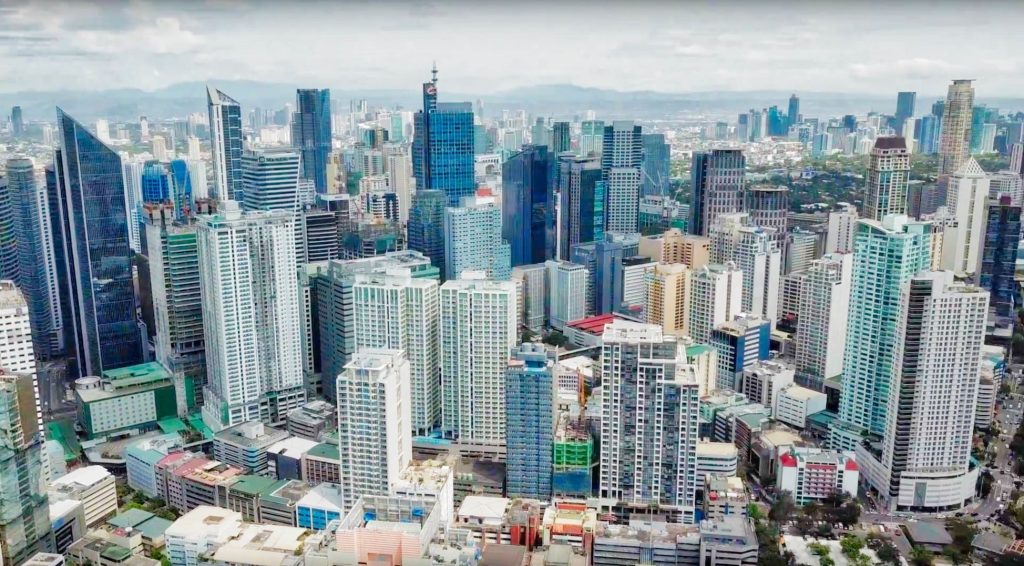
(433, 73)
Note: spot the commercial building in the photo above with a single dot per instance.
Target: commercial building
(718, 181)
(716, 458)
(566, 292)
(822, 319)
(529, 418)
(888, 176)
(655, 175)
(768, 207)
(581, 203)
(322, 464)
(225, 144)
(214, 534)
(574, 457)
(251, 316)
(955, 132)
(321, 505)
(716, 293)
(604, 261)
(442, 147)
(763, 381)
(473, 239)
(245, 445)
(141, 458)
(794, 404)
(312, 420)
(621, 165)
(426, 226)
(532, 283)
(740, 343)
(125, 401)
(724, 496)
(647, 396)
(729, 542)
(270, 180)
(93, 486)
(527, 205)
(812, 474)
(311, 133)
(963, 239)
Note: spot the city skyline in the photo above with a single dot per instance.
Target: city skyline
(647, 46)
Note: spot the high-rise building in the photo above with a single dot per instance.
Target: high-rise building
(964, 237)
(716, 296)
(25, 518)
(270, 180)
(36, 273)
(532, 284)
(604, 262)
(649, 418)
(793, 114)
(926, 449)
(98, 259)
(886, 255)
(591, 137)
(998, 259)
(567, 292)
(676, 247)
(655, 176)
(888, 177)
(311, 133)
(801, 249)
(717, 187)
(527, 205)
(8, 233)
(955, 131)
(442, 147)
(225, 144)
(400, 312)
(905, 102)
(768, 207)
(374, 432)
(621, 164)
(529, 418)
(928, 137)
(754, 252)
(668, 298)
(251, 316)
(473, 239)
(17, 122)
(581, 210)
(560, 141)
(842, 227)
(478, 331)
(822, 317)
(739, 344)
(426, 226)
(173, 254)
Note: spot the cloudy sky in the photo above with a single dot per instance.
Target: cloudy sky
(485, 46)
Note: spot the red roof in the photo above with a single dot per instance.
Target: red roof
(484, 192)
(788, 460)
(594, 324)
(851, 465)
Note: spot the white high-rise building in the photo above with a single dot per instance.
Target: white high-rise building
(374, 422)
(400, 312)
(1006, 183)
(822, 318)
(842, 227)
(16, 353)
(756, 253)
(399, 173)
(926, 454)
(270, 179)
(649, 418)
(473, 241)
(621, 160)
(478, 331)
(103, 130)
(963, 239)
(567, 292)
(716, 296)
(193, 148)
(251, 317)
(197, 176)
(160, 150)
(132, 170)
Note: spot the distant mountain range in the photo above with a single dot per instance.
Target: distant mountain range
(557, 100)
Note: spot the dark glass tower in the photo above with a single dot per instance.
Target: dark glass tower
(98, 258)
(793, 114)
(8, 235)
(525, 203)
(17, 122)
(717, 187)
(443, 146)
(426, 226)
(156, 183)
(311, 133)
(905, 102)
(560, 137)
(654, 179)
(582, 198)
(999, 255)
(225, 144)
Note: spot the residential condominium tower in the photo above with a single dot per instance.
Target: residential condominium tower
(530, 418)
(888, 178)
(473, 239)
(955, 132)
(822, 318)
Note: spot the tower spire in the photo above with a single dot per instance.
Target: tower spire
(433, 73)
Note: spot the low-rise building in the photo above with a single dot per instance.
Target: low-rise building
(319, 506)
(245, 445)
(794, 404)
(322, 464)
(719, 458)
(97, 550)
(729, 542)
(148, 526)
(568, 523)
(45, 559)
(67, 520)
(764, 456)
(725, 496)
(284, 458)
(141, 459)
(93, 486)
(478, 477)
(125, 401)
(313, 420)
(812, 474)
(429, 479)
(209, 534)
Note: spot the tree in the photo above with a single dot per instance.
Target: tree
(783, 508)
(962, 533)
(851, 545)
(953, 554)
(812, 510)
(848, 514)
(804, 525)
(920, 556)
(556, 338)
(527, 336)
(888, 553)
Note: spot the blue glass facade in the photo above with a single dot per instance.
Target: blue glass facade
(311, 133)
(226, 144)
(181, 188)
(654, 177)
(529, 418)
(525, 205)
(313, 518)
(156, 182)
(97, 253)
(999, 254)
(581, 194)
(603, 260)
(426, 226)
(443, 147)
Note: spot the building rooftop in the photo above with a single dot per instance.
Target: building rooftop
(151, 526)
(593, 325)
(324, 496)
(780, 437)
(262, 545)
(44, 559)
(503, 555)
(82, 477)
(425, 474)
(251, 434)
(490, 510)
(124, 381)
(929, 533)
(801, 393)
(716, 449)
(152, 450)
(292, 447)
(313, 412)
(324, 451)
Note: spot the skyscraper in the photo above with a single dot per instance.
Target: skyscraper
(36, 269)
(768, 207)
(529, 417)
(668, 298)
(998, 258)
(755, 253)
(17, 122)
(928, 139)
(822, 318)
(649, 417)
(655, 176)
(963, 240)
(311, 133)
(591, 137)
(442, 147)
(955, 132)
(374, 432)
(225, 144)
(739, 343)
(478, 331)
(716, 296)
(525, 203)
(251, 316)
(270, 180)
(582, 207)
(793, 113)
(621, 162)
(905, 102)
(560, 141)
(566, 292)
(888, 177)
(604, 262)
(473, 240)
(426, 226)
(927, 440)
(401, 312)
(98, 271)
(886, 255)
(717, 187)
(8, 233)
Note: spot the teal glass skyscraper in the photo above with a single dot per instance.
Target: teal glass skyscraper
(443, 146)
(98, 257)
(886, 255)
(654, 177)
(426, 226)
(311, 133)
